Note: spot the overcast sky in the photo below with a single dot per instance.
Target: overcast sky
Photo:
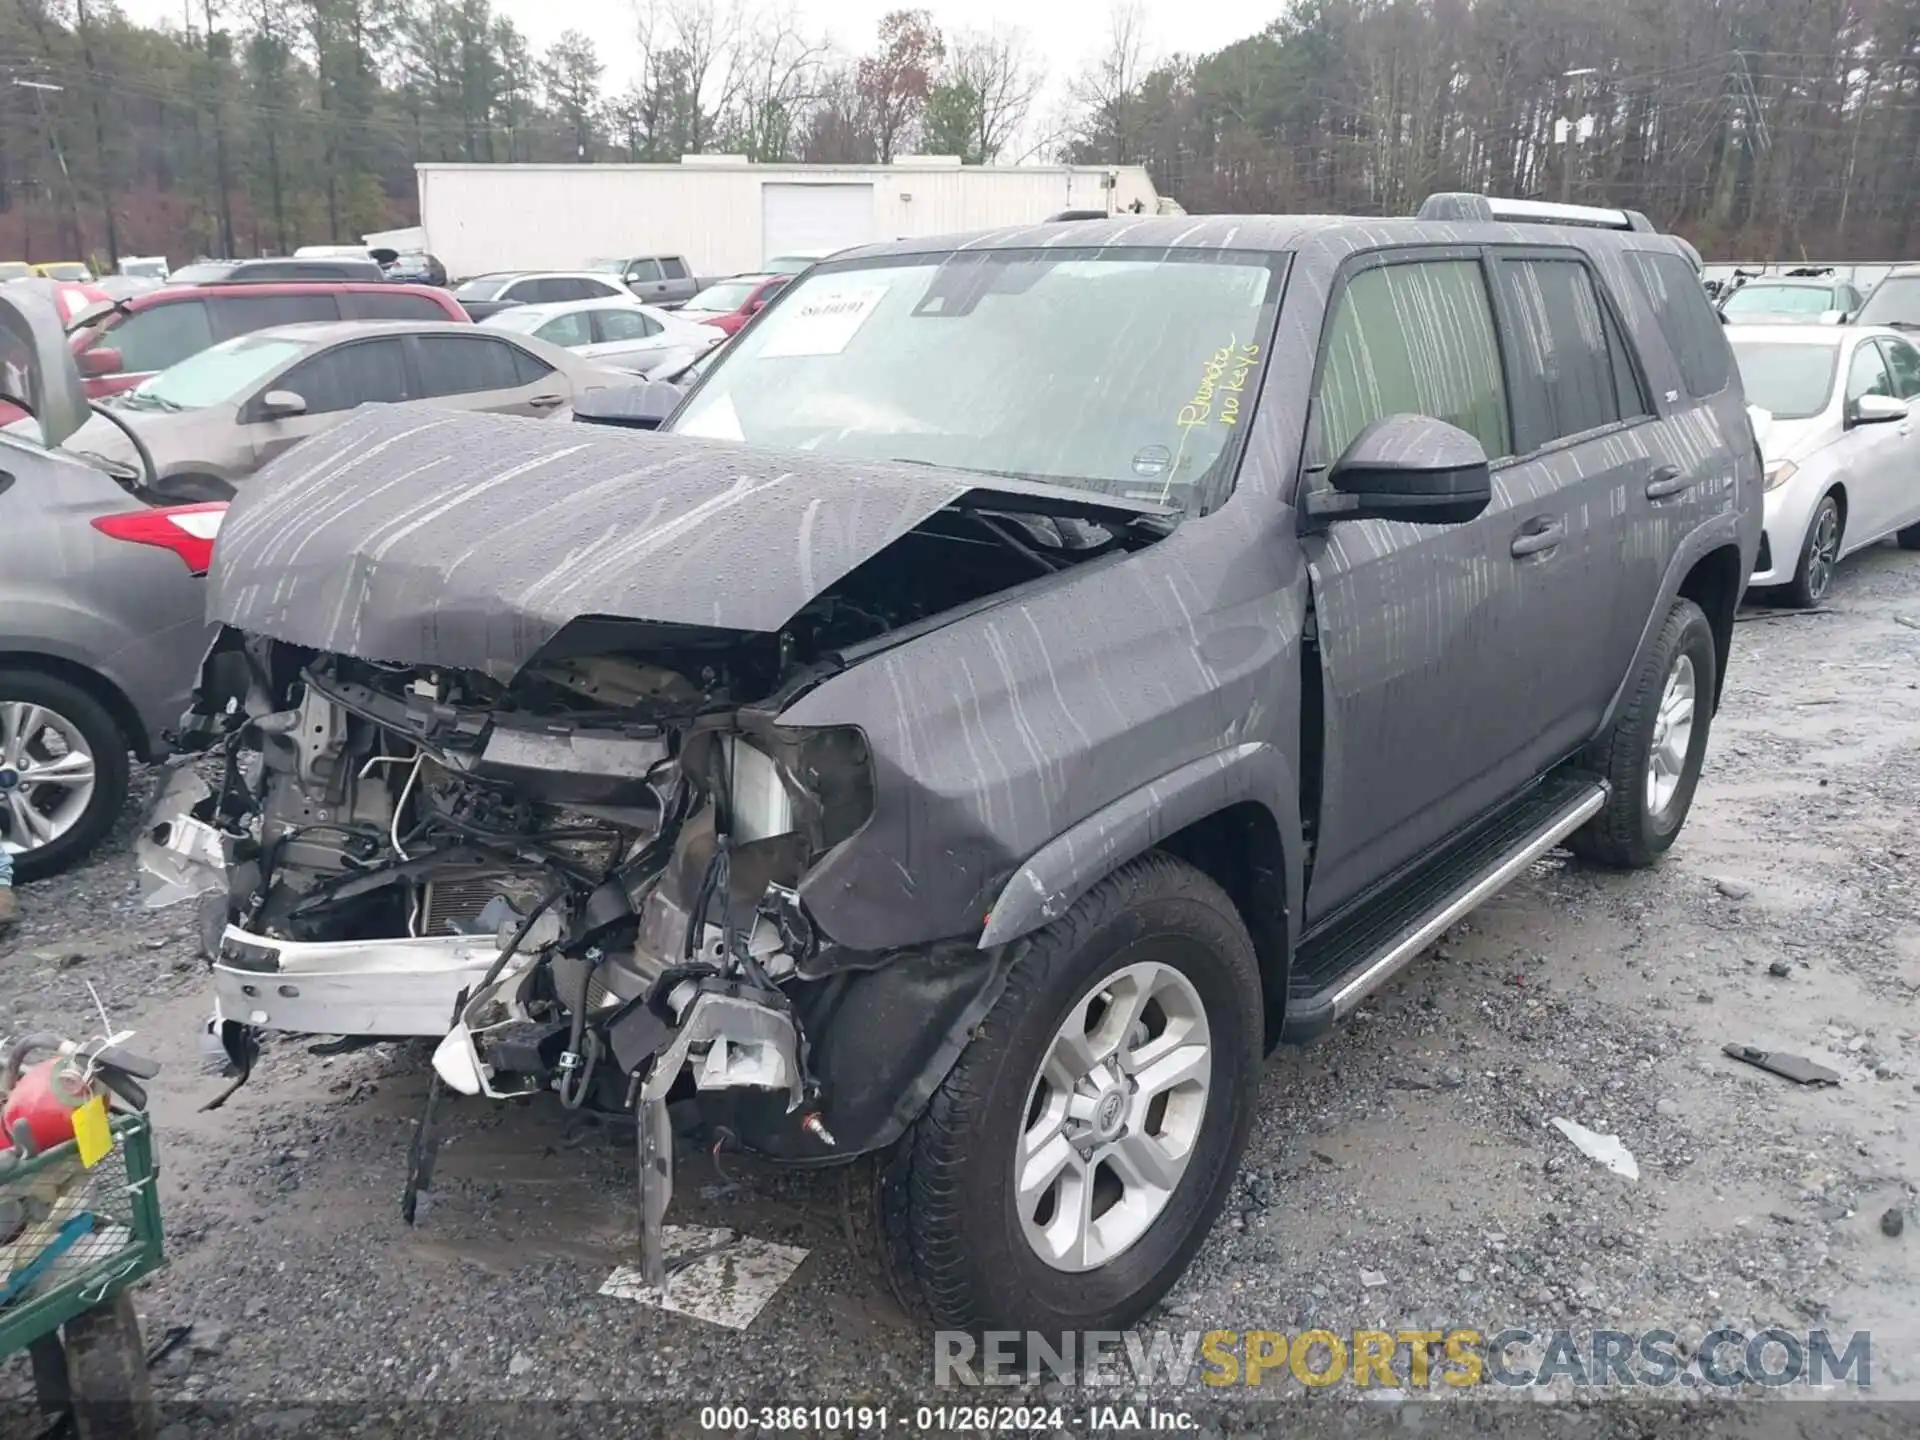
(1062, 34)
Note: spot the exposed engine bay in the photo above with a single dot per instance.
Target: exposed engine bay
(624, 824)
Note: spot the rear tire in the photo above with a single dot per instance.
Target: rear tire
(1819, 554)
(962, 1248)
(78, 820)
(1909, 538)
(1650, 798)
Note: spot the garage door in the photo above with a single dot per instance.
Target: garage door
(814, 217)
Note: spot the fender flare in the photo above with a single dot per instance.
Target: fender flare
(1075, 860)
(1715, 534)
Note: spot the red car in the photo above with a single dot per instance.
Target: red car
(729, 304)
(119, 345)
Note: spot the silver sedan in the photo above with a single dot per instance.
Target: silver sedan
(621, 333)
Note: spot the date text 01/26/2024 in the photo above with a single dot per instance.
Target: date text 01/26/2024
(934, 1419)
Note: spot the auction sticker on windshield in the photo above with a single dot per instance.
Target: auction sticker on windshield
(822, 324)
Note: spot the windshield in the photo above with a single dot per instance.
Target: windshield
(1780, 300)
(201, 274)
(1894, 301)
(482, 287)
(216, 376)
(1120, 371)
(722, 299)
(145, 269)
(72, 273)
(15, 270)
(1789, 382)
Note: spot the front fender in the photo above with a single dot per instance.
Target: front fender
(1073, 862)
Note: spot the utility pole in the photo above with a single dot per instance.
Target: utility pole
(41, 89)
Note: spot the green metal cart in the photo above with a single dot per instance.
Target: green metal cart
(73, 1239)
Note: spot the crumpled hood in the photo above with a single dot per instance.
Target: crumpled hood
(470, 540)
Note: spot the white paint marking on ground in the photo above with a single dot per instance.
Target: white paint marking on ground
(729, 1287)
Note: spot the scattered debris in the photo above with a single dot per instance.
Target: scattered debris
(1796, 1068)
(712, 1274)
(1372, 1279)
(1733, 889)
(1908, 621)
(1780, 969)
(520, 1364)
(1606, 1149)
(1892, 1223)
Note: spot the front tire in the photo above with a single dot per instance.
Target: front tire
(63, 772)
(1651, 758)
(1819, 554)
(1072, 1162)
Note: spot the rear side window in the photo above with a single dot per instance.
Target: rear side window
(161, 336)
(1563, 357)
(244, 314)
(463, 364)
(675, 267)
(1414, 339)
(1692, 330)
(349, 375)
(643, 270)
(528, 367)
(376, 306)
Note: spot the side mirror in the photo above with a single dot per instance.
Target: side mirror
(644, 405)
(281, 404)
(101, 360)
(1878, 410)
(1407, 467)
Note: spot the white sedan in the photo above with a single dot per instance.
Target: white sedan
(621, 333)
(1842, 456)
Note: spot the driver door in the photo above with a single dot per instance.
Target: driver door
(1879, 457)
(1424, 634)
(330, 383)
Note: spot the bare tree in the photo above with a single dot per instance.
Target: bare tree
(1108, 90)
(985, 93)
(779, 75)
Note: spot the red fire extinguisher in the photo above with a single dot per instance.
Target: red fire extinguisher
(40, 1098)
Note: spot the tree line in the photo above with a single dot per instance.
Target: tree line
(1760, 128)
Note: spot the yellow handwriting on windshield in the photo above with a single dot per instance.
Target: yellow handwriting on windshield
(1222, 379)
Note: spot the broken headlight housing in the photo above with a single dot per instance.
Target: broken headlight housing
(781, 780)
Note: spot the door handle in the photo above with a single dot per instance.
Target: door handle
(1666, 481)
(545, 402)
(1538, 537)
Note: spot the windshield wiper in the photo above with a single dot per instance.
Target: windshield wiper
(135, 400)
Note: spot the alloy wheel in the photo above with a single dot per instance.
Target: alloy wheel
(47, 776)
(1113, 1116)
(1672, 735)
(1823, 551)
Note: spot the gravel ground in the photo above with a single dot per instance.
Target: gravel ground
(1402, 1174)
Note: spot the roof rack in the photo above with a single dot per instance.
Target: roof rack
(1460, 205)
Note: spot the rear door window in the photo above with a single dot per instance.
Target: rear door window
(675, 267)
(1563, 357)
(622, 325)
(1413, 338)
(1694, 333)
(373, 305)
(349, 375)
(573, 329)
(162, 335)
(465, 364)
(244, 314)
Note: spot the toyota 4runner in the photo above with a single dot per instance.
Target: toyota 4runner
(1026, 677)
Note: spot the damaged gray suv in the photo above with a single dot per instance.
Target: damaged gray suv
(1023, 680)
